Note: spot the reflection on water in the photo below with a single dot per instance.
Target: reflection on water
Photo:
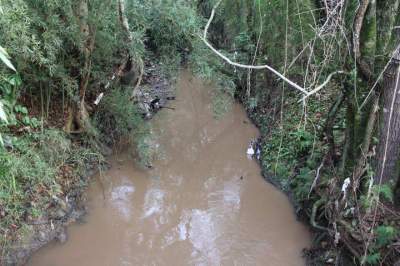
(121, 199)
(203, 203)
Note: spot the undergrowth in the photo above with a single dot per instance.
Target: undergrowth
(35, 169)
(116, 117)
(119, 121)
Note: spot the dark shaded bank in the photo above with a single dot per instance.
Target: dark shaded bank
(282, 171)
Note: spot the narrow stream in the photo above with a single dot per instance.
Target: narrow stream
(203, 203)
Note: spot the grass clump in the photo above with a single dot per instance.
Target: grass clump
(36, 169)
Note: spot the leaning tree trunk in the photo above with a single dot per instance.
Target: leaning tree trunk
(124, 20)
(87, 46)
(79, 119)
(129, 69)
(389, 145)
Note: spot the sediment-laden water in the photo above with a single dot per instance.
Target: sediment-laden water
(203, 202)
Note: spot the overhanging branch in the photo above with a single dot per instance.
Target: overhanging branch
(277, 73)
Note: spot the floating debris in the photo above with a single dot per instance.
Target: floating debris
(254, 149)
(155, 91)
(250, 150)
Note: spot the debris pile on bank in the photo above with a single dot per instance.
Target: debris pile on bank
(155, 90)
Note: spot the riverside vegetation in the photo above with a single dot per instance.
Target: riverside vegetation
(331, 141)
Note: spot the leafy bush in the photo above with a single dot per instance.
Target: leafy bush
(172, 25)
(117, 117)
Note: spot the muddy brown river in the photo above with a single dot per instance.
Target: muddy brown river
(203, 203)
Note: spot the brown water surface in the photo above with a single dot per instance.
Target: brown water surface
(203, 203)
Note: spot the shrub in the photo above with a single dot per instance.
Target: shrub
(117, 117)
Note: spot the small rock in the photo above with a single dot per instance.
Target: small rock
(62, 236)
(58, 214)
(42, 236)
(78, 215)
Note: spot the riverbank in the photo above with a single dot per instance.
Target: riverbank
(35, 232)
(291, 153)
(52, 170)
(203, 198)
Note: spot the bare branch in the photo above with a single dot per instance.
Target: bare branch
(320, 87)
(277, 73)
(204, 38)
(316, 178)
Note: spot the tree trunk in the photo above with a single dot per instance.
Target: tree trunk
(387, 15)
(136, 69)
(389, 145)
(361, 165)
(357, 29)
(88, 40)
(79, 114)
(348, 157)
(124, 20)
(330, 121)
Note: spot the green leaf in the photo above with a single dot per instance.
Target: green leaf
(3, 115)
(385, 235)
(4, 57)
(14, 80)
(26, 120)
(21, 109)
(386, 191)
(373, 258)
